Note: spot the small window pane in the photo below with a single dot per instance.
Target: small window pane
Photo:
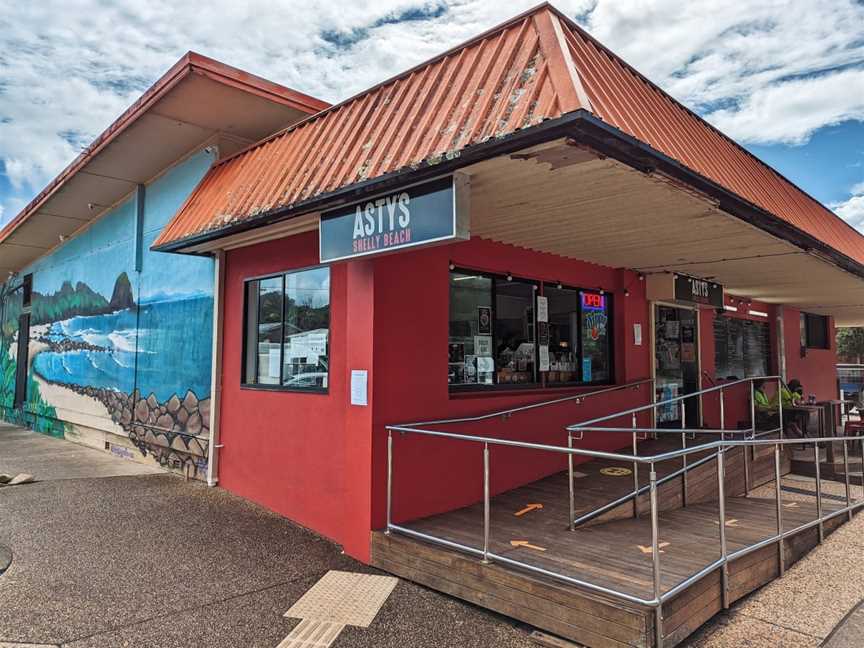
(563, 335)
(307, 329)
(596, 308)
(470, 351)
(514, 331)
(269, 330)
(742, 348)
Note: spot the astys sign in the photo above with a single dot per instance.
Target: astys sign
(699, 291)
(432, 212)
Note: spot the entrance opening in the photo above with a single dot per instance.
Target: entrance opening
(676, 366)
(22, 359)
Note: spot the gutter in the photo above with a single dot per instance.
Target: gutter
(580, 125)
(216, 368)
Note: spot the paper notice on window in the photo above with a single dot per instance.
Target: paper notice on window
(586, 370)
(273, 363)
(542, 309)
(544, 358)
(485, 365)
(359, 387)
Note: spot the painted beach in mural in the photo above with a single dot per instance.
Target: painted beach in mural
(119, 358)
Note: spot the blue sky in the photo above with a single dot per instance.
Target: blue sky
(785, 79)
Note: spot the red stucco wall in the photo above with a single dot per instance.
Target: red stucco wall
(411, 306)
(321, 462)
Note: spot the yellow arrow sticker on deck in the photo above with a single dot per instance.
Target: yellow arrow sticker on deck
(528, 509)
(730, 523)
(648, 550)
(524, 544)
(615, 471)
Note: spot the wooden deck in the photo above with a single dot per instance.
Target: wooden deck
(614, 553)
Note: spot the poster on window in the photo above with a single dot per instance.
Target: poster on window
(542, 309)
(544, 357)
(484, 320)
(483, 345)
(586, 370)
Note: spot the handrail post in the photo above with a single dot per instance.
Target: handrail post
(780, 406)
(752, 408)
(684, 457)
(816, 458)
(571, 487)
(655, 559)
(721, 498)
(781, 549)
(654, 404)
(635, 471)
(722, 415)
(846, 475)
(485, 503)
(389, 480)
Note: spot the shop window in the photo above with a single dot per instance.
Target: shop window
(742, 348)
(496, 340)
(596, 365)
(288, 331)
(814, 331)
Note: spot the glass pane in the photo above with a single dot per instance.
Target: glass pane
(269, 330)
(596, 359)
(563, 335)
(514, 331)
(307, 329)
(470, 352)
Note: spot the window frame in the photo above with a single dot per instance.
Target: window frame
(727, 320)
(540, 290)
(804, 322)
(244, 350)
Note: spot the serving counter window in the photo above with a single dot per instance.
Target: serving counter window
(742, 348)
(287, 331)
(514, 332)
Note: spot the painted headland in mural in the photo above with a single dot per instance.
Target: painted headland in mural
(119, 349)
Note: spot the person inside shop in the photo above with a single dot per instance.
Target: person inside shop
(768, 411)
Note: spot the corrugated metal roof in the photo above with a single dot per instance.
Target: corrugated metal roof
(511, 78)
(536, 67)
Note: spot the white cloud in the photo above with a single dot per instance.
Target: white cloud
(67, 69)
(789, 112)
(852, 210)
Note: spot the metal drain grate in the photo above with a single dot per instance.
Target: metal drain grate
(344, 598)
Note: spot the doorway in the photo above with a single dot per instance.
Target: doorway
(22, 359)
(676, 363)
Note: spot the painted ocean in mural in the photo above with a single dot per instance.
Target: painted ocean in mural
(119, 340)
(111, 351)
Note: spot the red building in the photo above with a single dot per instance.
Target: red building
(520, 219)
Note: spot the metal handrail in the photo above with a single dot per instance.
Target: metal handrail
(656, 602)
(675, 399)
(515, 410)
(683, 430)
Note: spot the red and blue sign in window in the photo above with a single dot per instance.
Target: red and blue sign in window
(593, 301)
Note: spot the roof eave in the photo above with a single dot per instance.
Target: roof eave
(587, 128)
(189, 63)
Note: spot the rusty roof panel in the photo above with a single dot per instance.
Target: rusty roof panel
(499, 83)
(536, 67)
(625, 99)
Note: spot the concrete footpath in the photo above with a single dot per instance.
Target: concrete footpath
(109, 553)
(104, 557)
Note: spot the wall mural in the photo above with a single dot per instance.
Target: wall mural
(116, 350)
